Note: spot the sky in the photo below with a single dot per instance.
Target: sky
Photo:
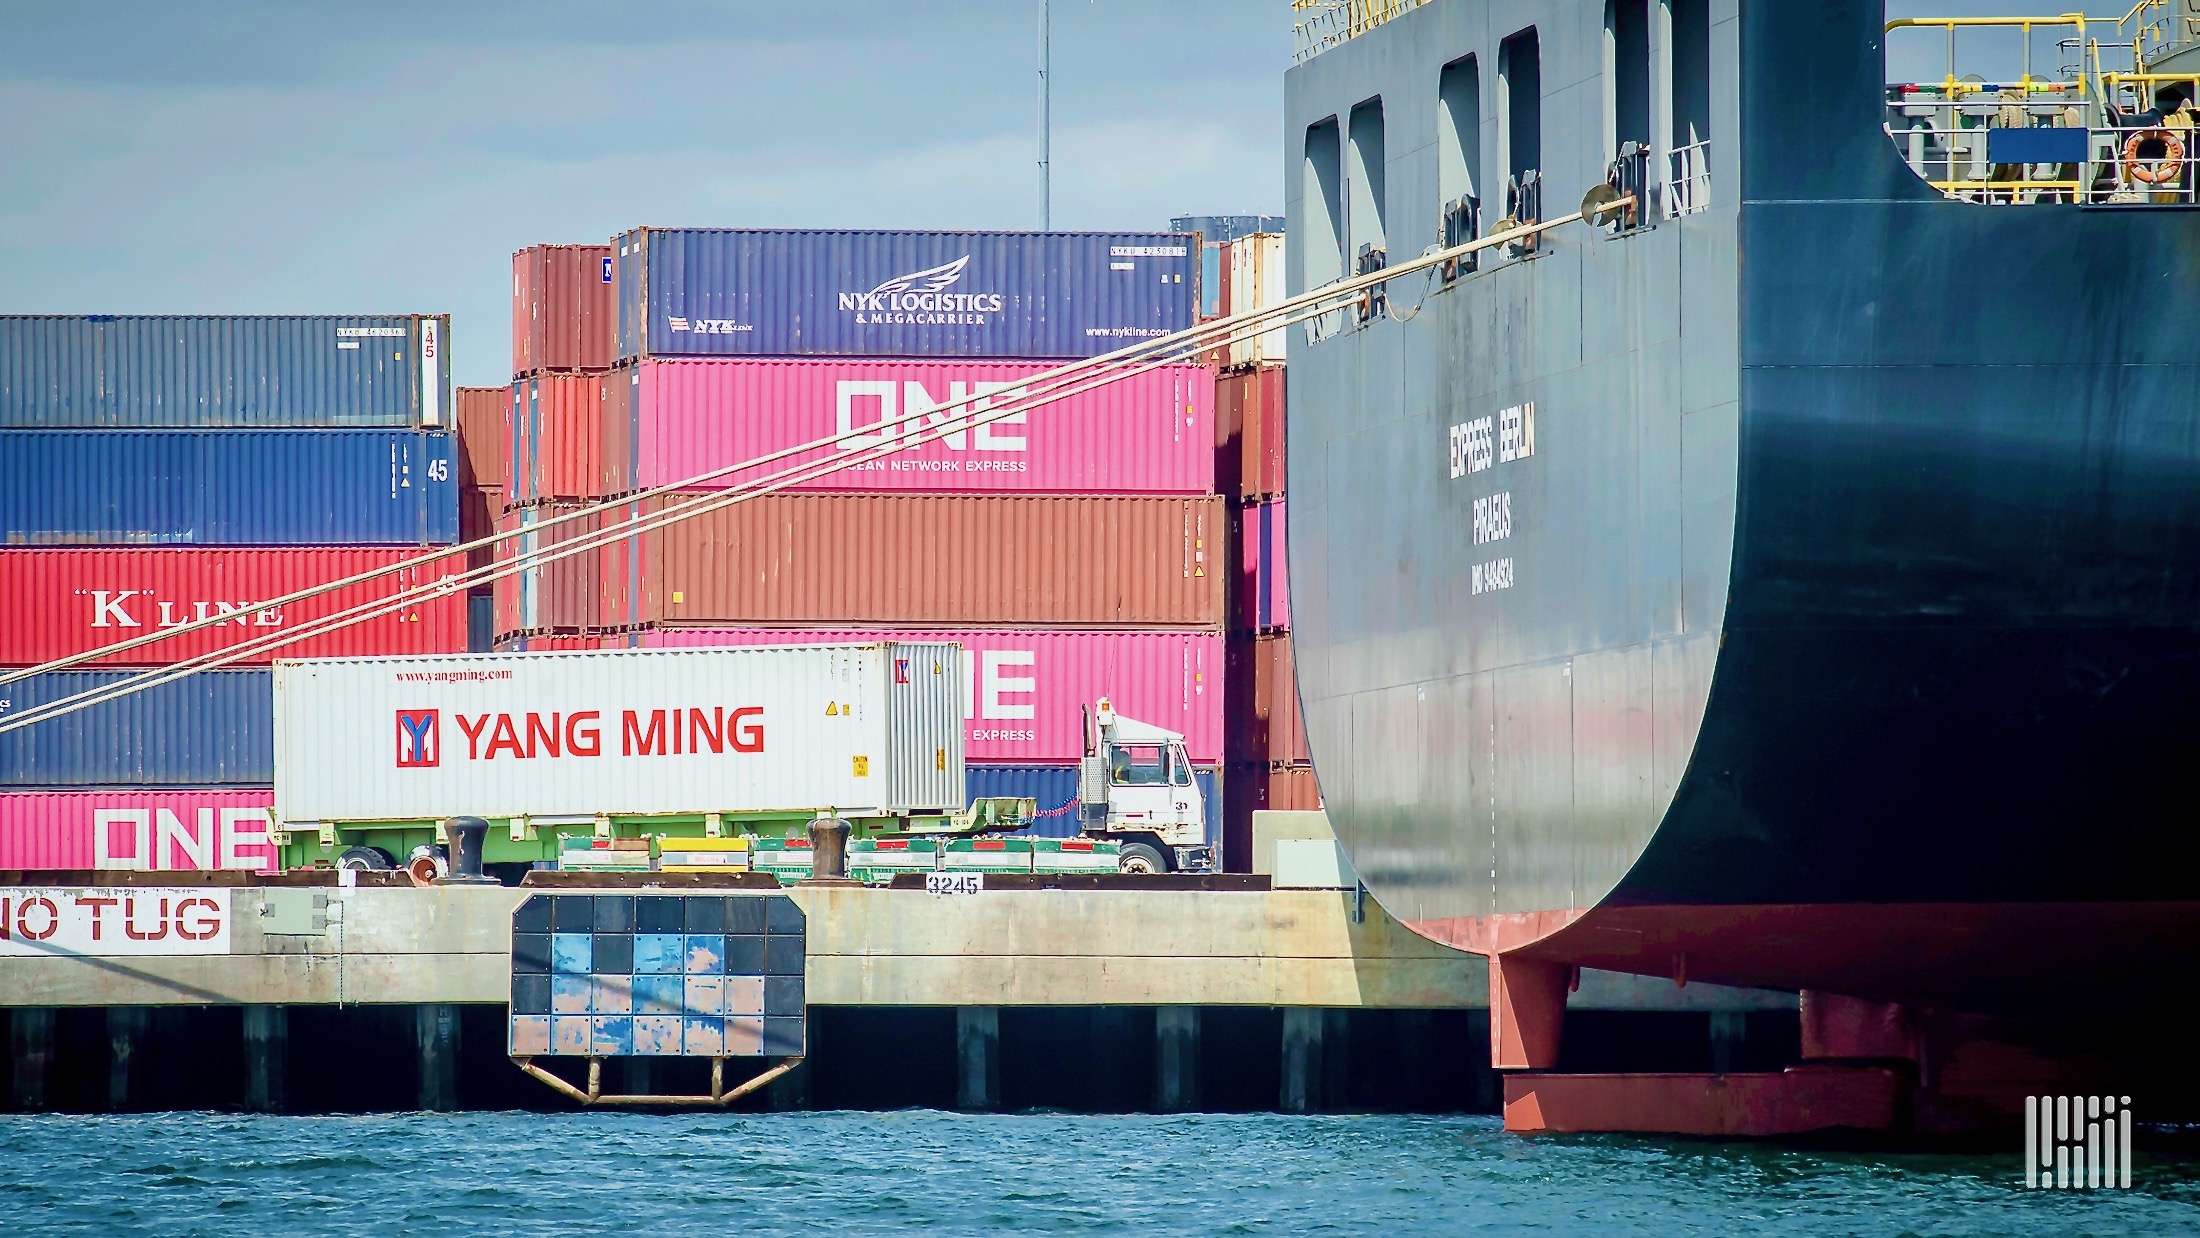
(272, 156)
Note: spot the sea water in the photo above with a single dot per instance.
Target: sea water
(643, 1174)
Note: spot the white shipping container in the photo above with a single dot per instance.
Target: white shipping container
(863, 730)
(1256, 283)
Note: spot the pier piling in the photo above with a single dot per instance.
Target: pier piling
(1176, 1045)
(266, 1058)
(1729, 1032)
(978, 1058)
(126, 1042)
(30, 1051)
(1303, 1069)
(436, 1027)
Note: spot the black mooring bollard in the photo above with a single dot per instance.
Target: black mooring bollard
(467, 834)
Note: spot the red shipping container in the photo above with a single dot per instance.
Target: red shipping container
(559, 433)
(484, 432)
(564, 309)
(1249, 431)
(1266, 726)
(144, 830)
(1276, 569)
(59, 602)
(558, 643)
(948, 560)
(557, 595)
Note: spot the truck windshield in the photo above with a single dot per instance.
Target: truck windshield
(1143, 766)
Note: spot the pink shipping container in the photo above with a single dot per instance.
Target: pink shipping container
(1023, 690)
(142, 830)
(564, 309)
(58, 602)
(1151, 433)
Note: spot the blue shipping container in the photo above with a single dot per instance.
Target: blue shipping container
(131, 371)
(227, 488)
(1055, 785)
(214, 729)
(723, 292)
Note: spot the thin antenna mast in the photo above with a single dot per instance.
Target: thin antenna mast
(1046, 191)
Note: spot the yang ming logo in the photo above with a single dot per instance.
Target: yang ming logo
(419, 739)
(922, 298)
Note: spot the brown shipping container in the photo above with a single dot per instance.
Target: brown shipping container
(1264, 725)
(478, 510)
(564, 310)
(484, 427)
(1249, 432)
(963, 560)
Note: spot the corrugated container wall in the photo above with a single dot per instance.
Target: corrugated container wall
(1023, 692)
(484, 433)
(1053, 786)
(54, 603)
(227, 487)
(645, 732)
(121, 371)
(214, 729)
(1267, 727)
(722, 292)
(1249, 432)
(557, 595)
(1150, 433)
(829, 560)
(564, 313)
(563, 440)
(152, 830)
(1256, 283)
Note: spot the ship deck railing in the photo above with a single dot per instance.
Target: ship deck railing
(1688, 180)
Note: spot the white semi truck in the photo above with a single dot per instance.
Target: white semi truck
(1136, 787)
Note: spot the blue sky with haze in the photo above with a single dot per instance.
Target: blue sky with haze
(297, 157)
(273, 156)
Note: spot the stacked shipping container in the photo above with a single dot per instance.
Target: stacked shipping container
(1270, 766)
(157, 470)
(1076, 550)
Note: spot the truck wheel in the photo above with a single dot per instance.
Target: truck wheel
(366, 860)
(1140, 858)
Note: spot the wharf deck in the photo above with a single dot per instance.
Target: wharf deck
(867, 947)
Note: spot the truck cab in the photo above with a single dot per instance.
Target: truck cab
(1135, 786)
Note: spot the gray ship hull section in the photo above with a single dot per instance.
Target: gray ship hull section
(1513, 750)
(1858, 561)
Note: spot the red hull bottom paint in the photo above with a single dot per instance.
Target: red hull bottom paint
(1988, 958)
(1795, 1101)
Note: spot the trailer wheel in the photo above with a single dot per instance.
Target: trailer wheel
(1140, 858)
(366, 860)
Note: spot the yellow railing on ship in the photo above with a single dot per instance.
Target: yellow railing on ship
(1326, 23)
(2028, 82)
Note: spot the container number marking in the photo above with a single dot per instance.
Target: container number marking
(954, 883)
